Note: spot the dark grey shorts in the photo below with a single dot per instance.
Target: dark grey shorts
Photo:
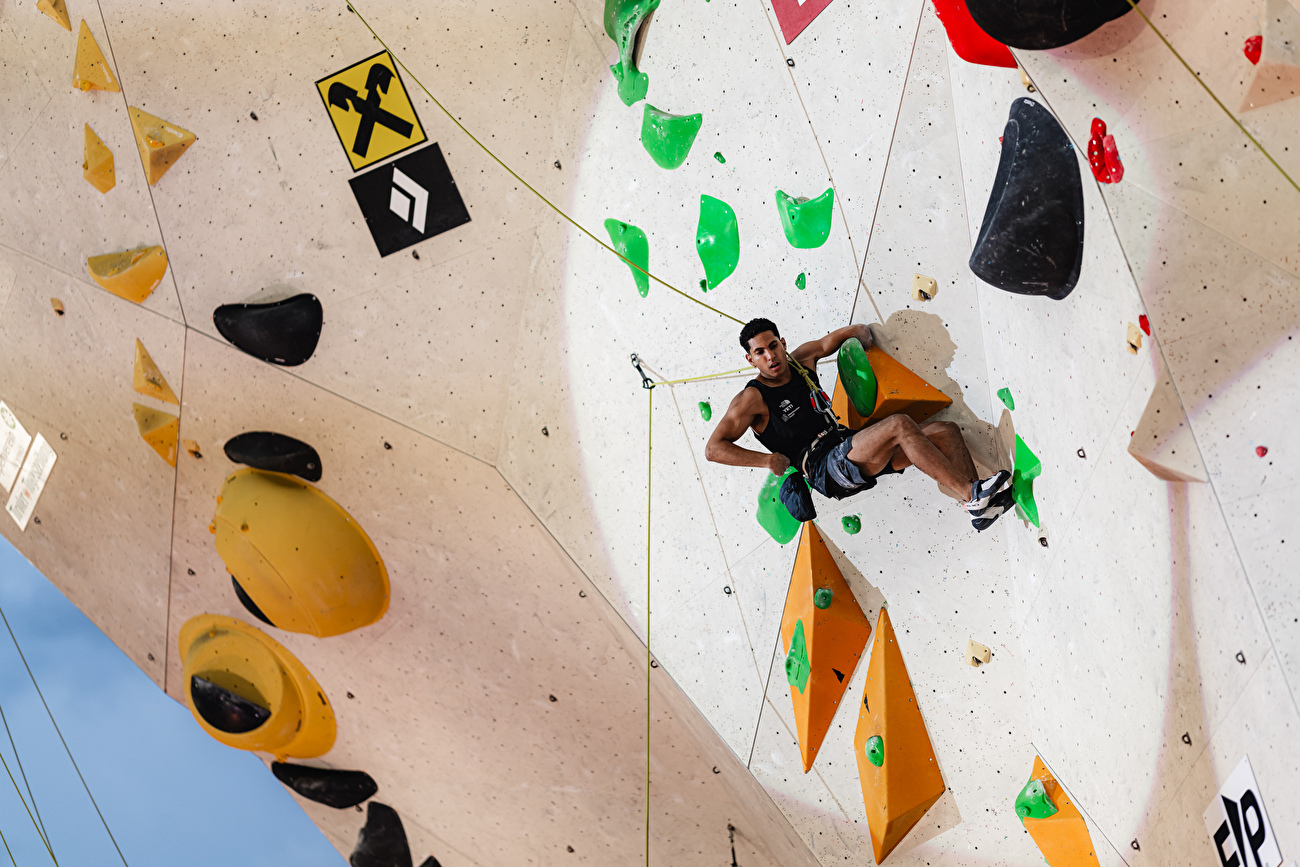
(832, 474)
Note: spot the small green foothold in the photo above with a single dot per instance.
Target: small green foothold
(857, 377)
(852, 524)
(717, 240)
(631, 242)
(773, 516)
(704, 285)
(801, 281)
(668, 137)
(875, 750)
(1004, 395)
(717, 155)
(1028, 467)
(807, 222)
(1033, 803)
(623, 19)
(706, 411)
(822, 598)
(797, 668)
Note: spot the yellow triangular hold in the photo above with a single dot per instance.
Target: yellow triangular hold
(149, 379)
(91, 70)
(1063, 836)
(56, 10)
(131, 274)
(159, 429)
(97, 166)
(896, 765)
(161, 143)
(898, 390)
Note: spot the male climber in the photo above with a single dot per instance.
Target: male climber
(791, 415)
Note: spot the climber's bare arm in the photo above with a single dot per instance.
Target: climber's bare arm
(814, 350)
(746, 409)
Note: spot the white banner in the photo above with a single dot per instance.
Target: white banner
(1238, 825)
(14, 440)
(36, 469)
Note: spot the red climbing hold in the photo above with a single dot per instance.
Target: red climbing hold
(1145, 324)
(1098, 127)
(1113, 165)
(1097, 152)
(1252, 49)
(1261, 450)
(971, 43)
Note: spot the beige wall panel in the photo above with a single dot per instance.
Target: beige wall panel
(25, 95)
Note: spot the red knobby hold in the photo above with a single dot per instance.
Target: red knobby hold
(1145, 324)
(1253, 48)
(1261, 450)
(1113, 165)
(1097, 152)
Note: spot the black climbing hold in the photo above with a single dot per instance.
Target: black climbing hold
(1043, 24)
(553, 698)
(1135, 846)
(654, 664)
(727, 590)
(253, 115)
(275, 452)
(715, 770)
(282, 332)
(223, 710)
(557, 164)
(545, 432)
(789, 61)
(1031, 240)
(433, 862)
(382, 840)
(839, 675)
(1187, 738)
(337, 789)
(582, 594)
(247, 601)
(1081, 453)
(1241, 657)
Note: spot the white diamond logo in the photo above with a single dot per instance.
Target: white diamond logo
(409, 200)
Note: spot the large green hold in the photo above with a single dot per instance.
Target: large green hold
(773, 516)
(856, 376)
(875, 750)
(1028, 467)
(797, 668)
(717, 240)
(1033, 802)
(807, 222)
(668, 137)
(622, 21)
(631, 243)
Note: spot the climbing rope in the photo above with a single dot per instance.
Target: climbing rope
(11, 854)
(649, 478)
(19, 759)
(39, 833)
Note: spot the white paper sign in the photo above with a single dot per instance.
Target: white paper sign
(14, 440)
(36, 469)
(1238, 825)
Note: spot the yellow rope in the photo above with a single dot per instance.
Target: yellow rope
(515, 175)
(29, 812)
(11, 854)
(699, 378)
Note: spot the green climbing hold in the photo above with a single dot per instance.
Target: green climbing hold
(875, 750)
(822, 598)
(807, 222)
(801, 281)
(1033, 803)
(717, 240)
(852, 524)
(1004, 395)
(1028, 467)
(797, 668)
(706, 411)
(717, 155)
(668, 137)
(623, 18)
(631, 243)
(773, 516)
(857, 377)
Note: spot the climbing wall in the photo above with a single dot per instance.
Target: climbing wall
(542, 517)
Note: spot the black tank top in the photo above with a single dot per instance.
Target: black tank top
(792, 420)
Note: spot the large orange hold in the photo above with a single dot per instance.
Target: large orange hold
(897, 390)
(824, 633)
(1062, 837)
(906, 782)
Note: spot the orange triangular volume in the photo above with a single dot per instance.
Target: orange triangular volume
(91, 70)
(1062, 837)
(159, 429)
(160, 143)
(897, 390)
(57, 11)
(835, 637)
(907, 782)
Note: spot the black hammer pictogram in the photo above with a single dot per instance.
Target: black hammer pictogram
(377, 81)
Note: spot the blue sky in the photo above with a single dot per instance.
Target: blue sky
(171, 794)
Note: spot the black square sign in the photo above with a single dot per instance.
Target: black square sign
(409, 200)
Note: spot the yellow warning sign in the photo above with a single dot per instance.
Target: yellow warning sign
(370, 110)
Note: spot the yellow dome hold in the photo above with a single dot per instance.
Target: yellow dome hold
(131, 274)
(299, 556)
(248, 692)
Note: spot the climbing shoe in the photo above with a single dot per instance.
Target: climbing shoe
(982, 490)
(797, 499)
(987, 516)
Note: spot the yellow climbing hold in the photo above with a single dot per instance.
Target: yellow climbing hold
(91, 70)
(148, 378)
(159, 429)
(56, 10)
(97, 165)
(131, 274)
(161, 143)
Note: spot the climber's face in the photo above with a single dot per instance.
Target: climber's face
(767, 354)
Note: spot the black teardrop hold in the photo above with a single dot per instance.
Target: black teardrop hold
(382, 840)
(223, 710)
(1041, 24)
(337, 789)
(276, 453)
(281, 332)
